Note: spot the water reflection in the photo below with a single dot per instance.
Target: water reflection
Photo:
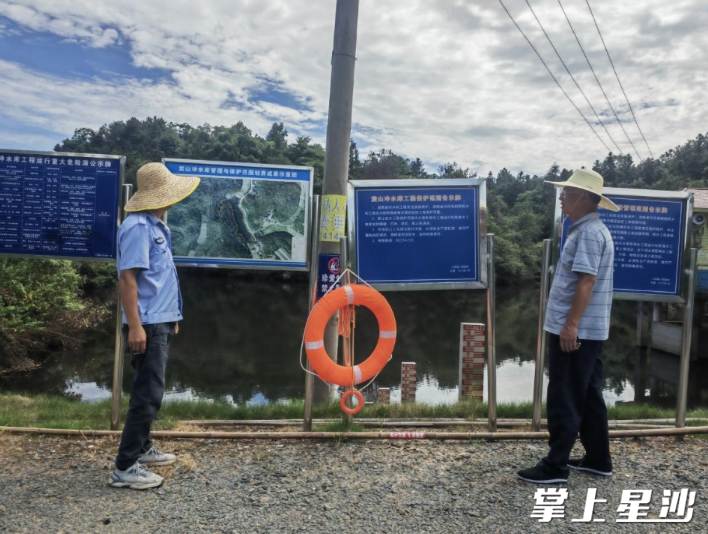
(242, 335)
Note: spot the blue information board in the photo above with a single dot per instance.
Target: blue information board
(59, 205)
(649, 242)
(420, 235)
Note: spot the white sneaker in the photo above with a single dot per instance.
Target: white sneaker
(135, 477)
(155, 457)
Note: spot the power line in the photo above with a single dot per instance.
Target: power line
(552, 76)
(598, 81)
(573, 78)
(618, 80)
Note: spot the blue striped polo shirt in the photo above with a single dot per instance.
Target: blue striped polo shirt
(588, 249)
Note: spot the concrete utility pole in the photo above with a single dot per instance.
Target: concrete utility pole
(339, 127)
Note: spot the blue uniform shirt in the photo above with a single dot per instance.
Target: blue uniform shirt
(144, 243)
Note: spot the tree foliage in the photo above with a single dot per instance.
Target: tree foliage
(520, 207)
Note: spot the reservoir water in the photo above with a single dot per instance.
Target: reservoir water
(241, 340)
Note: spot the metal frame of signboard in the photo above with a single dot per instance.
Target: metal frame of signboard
(685, 249)
(485, 262)
(121, 180)
(481, 186)
(686, 278)
(229, 263)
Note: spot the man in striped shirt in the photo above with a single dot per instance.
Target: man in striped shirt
(578, 320)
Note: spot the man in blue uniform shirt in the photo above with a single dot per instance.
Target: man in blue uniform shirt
(152, 309)
(578, 321)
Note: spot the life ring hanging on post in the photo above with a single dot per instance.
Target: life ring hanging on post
(327, 369)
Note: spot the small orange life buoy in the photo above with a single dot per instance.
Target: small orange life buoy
(359, 398)
(322, 364)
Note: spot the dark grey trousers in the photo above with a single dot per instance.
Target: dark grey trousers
(146, 393)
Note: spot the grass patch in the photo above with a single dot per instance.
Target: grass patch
(57, 412)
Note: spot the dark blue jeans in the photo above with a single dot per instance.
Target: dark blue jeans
(574, 404)
(146, 393)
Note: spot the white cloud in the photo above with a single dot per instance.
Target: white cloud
(443, 81)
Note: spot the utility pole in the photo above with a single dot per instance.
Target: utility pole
(339, 126)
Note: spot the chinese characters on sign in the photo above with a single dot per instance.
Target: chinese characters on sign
(56, 205)
(648, 237)
(328, 273)
(417, 235)
(202, 169)
(333, 217)
(635, 506)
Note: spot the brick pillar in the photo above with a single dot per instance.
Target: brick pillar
(385, 395)
(472, 355)
(408, 381)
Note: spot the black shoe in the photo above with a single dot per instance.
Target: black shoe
(582, 465)
(541, 474)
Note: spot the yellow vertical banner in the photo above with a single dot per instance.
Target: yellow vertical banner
(332, 217)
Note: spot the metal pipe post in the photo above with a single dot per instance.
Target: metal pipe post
(118, 355)
(343, 265)
(541, 336)
(314, 240)
(686, 341)
(491, 333)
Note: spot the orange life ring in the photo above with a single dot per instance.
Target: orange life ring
(322, 364)
(359, 398)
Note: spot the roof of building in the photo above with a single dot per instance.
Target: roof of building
(700, 198)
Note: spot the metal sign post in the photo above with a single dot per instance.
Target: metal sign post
(541, 336)
(118, 356)
(393, 225)
(491, 333)
(686, 341)
(309, 378)
(346, 280)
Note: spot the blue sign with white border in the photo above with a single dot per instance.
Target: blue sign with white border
(59, 205)
(649, 237)
(424, 234)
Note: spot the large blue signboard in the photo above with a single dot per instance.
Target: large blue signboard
(59, 205)
(650, 240)
(243, 215)
(424, 234)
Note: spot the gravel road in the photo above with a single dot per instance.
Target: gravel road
(58, 485)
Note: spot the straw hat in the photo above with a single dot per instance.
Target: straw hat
(159, 188)
(591, 181)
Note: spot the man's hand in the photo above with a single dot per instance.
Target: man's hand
(137, 339)
(569, 338)
(176, 328)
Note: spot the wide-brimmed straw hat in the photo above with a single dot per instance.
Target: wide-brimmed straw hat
(591, 181)
(159, 188)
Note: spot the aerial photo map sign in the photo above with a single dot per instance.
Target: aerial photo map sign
(243, 215)
(59, 205)
(425, 234)
(650, 238)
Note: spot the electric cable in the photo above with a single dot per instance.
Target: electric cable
(554, 78)
(618, 80)
(598, 80)
(573, 78)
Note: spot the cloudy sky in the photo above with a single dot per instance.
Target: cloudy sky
(444, 80)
